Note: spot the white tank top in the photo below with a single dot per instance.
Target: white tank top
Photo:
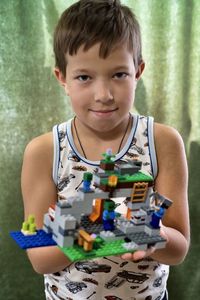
(107, 277)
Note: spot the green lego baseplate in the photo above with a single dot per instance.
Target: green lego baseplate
(111, 248)
(77, 253)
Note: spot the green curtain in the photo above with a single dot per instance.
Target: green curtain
(31, 101)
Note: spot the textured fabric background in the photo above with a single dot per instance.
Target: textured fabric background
(31, 101)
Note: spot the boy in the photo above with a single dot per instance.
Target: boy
(98, 57)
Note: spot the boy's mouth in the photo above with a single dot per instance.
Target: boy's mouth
(102, 111)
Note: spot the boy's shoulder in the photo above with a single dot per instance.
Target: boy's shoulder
(163, 132)
(167, 140)
(40, 148)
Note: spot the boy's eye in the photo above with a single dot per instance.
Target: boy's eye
(83, 78)
(120, 75)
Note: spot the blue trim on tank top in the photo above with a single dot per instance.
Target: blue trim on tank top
(118, 156)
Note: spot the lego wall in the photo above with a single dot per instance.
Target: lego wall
(31, 101)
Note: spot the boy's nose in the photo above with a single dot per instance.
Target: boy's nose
(103, 92)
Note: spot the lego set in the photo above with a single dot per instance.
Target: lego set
(103, 232)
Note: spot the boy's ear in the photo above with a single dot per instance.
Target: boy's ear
(140, 70)
(59, 76)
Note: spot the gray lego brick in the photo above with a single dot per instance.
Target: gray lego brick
(118, 233)
(66, 241)
(67, 222)
(143, 238)
(96, 228)
(152, 231)
(125, 168)
(64, 203)
(90, 227)
(97, 193)
(133, 228)
(65, 232)
(108, 236)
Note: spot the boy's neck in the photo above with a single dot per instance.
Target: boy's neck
(91, 144)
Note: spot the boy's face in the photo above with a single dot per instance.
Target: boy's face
(101, 90)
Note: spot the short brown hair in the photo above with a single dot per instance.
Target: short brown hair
(88, 22)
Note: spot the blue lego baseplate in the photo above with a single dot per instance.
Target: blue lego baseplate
(41, 239)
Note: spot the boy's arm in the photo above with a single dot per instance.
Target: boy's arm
(172, 182)
(39, 192)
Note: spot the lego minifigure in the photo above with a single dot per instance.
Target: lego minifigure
(109, 215)
(156, 217)
(87, 178)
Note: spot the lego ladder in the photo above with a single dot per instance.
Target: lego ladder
(138, 195)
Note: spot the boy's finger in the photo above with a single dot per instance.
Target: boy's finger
(138, 255)
(127, 256)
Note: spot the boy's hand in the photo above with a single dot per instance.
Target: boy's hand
(141, 254)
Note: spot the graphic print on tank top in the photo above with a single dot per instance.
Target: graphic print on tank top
(106, 277)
